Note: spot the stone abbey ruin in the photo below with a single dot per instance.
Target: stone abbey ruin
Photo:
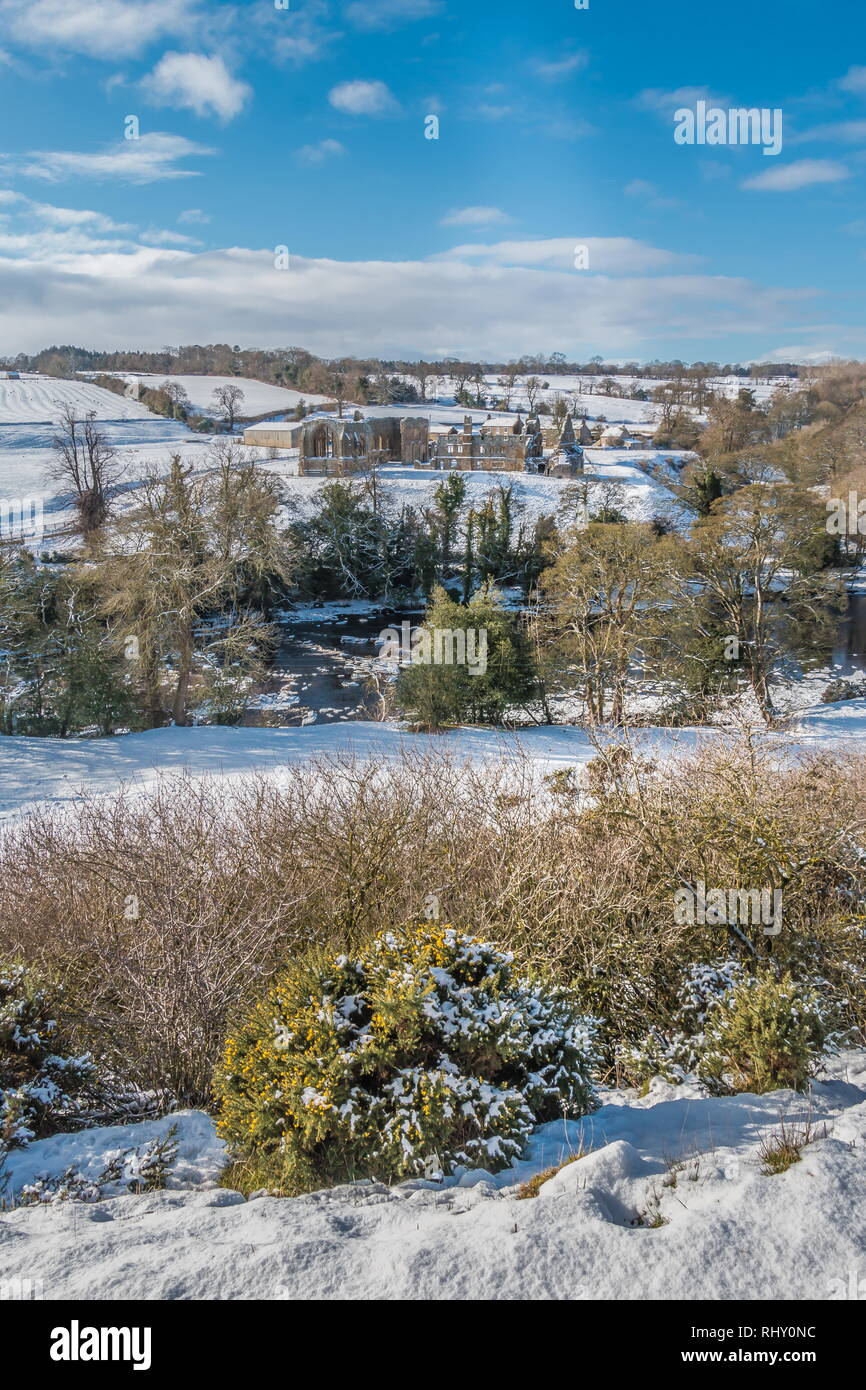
(324, 445)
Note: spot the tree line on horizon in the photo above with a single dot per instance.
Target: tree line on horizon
(298, 368)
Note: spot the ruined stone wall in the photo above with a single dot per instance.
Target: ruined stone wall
(334, 446)
(415, 441)
(383, 434)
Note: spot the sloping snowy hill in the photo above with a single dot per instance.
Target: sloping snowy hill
(668, 1202)
(40, 399)
(639, 496)
(258, 396)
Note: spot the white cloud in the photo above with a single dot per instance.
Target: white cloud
(640, 188)
(387, 14)
(154, 237)
(298, 49)
(607, 255)
(201, 84)
(800, 352)
(390, 308)
(57, 234)
(493, 113)
(567, 129)
(474, 217)
(854, 80)
(557, 68)
(99, 28)
(362, 98)
(665, 103)
(150, 159)
(194, 215)
(317, 154)
(95, 222)
(803, 173)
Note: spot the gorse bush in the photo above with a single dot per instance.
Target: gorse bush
(765, 1033)
(738, 1032)
(38, 1083)
(426, 1050)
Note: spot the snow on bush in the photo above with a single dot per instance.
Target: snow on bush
(140, 1169)
(38, 1084)
(738, 1032)
(425, 1052)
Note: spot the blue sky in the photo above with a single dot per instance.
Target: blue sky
(261, 127)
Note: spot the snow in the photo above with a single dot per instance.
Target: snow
(39, 399)
(641, 496)
(618, 408)
(55, 770)
(200, 1154)
(668, 1202)
(142, 444)
(48, 770)
(146, 442)
(259, 396)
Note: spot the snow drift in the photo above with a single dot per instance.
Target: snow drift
(669, 1202)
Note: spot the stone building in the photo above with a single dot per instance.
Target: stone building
(566, 461)
(583, 435)
(612, 437)
(481, 448)
(328, 445)
(325, 445)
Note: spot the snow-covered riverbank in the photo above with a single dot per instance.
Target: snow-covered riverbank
(42, 770)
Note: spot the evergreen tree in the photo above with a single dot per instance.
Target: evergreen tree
(448, 498)
(60, 671)
(497, 675)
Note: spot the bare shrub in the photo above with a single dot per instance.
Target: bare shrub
(165, 910)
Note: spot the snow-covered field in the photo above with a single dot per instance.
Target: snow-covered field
(146, 442)
(668, 1202)
(618, 408)
(55, 770)
(30, 409)
(142, 445)
(259, 396)
(39, 400)
(45, 770)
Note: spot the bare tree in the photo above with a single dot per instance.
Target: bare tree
(421, 372)
(179, 399)
(228, 400)
(86, 461)
(338, 387)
